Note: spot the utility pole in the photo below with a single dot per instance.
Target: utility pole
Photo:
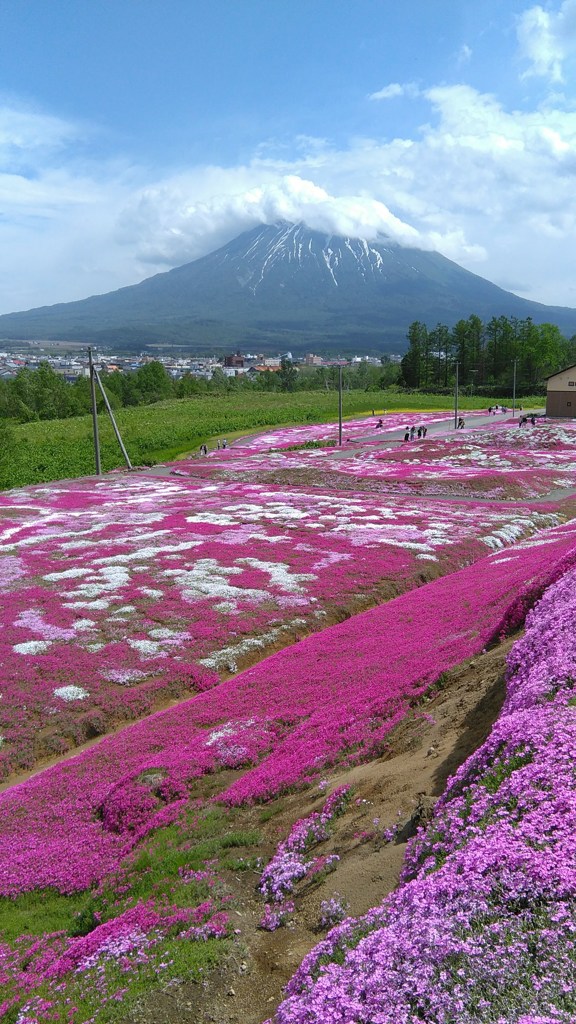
(456, 398)
(113, 421)
(95, 379)
(340, 403)
(514, 390)
(94, 413)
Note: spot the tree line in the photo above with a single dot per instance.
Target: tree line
(43, 394)
(485, 354)
(488, 355)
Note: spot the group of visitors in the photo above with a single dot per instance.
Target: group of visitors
(524, 420)
(410, 433)
(220, 445)
(493, 409)
(461, 424)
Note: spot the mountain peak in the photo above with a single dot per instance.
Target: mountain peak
(292, 252)
(286, 285)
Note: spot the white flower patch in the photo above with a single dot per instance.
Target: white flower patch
(226, 606)
(513, 531)
(70, 693)
(151, 592)
(220, 734)
(163, 633)
(207, 578)
(125, 609)
(148, 553)
(75, 545)
(108, 578)
(32, 647)
(229, 729)
(148, 648)
(123, 675)
(82, 624)
(274, 511)
(214, 518)
(280, 575)
(93, 648)
(99, 605)
(246, 534)
(65, 574)
(226, 657)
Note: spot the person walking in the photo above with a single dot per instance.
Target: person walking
(407, 434)
(412, 433)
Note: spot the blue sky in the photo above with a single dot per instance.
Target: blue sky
(136, 135)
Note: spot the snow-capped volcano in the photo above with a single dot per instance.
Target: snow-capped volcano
(285, 286)
(273, 254)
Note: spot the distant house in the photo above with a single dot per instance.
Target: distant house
(236, 361)
(262, 368)
(561, 393)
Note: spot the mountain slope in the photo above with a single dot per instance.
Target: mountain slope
(285, 285)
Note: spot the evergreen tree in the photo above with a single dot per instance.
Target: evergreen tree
(287, 375)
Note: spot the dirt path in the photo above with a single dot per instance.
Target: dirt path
(396, 788)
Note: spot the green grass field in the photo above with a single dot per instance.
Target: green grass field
(57, 449)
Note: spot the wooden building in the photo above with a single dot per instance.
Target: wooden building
(561, 394)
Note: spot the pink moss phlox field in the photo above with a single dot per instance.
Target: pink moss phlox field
(128, 941)
(123, 593)
(497, 461)
(482, 929)
(143, 918)
(330, 697)
(365, 428)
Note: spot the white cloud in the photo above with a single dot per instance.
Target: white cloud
(166, 227)
(490, 187)
(464, 55)
(58, 212)
(24, 131)
(487, 187)
(394, 90)
(547, 39)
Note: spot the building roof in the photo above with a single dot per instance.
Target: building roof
(563, 370)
